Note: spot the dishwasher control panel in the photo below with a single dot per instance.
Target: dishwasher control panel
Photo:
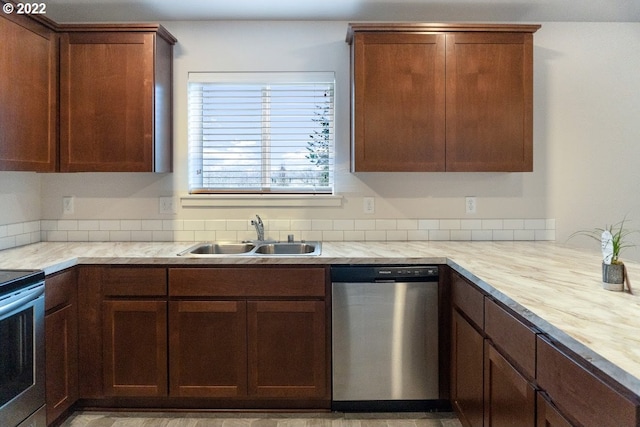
(374, 273)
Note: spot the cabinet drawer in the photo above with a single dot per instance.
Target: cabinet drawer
(468, 299)
(579, 393)
(141, 281)
(247, 282)
(60, 289)
(511, 336)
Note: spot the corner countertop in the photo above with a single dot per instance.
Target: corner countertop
(557, 288)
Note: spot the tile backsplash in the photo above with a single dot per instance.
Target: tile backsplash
(19, 234)
(125, 230)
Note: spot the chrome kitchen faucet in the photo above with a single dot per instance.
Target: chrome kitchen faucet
(257, 223)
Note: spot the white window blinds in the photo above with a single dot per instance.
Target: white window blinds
(261, 132)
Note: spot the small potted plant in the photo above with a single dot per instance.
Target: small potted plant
(612, 239)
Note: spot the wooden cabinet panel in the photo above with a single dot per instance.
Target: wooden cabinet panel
(581, 394)
(548, 415)
(489, 102)
(512, 337)
(247, 282)
(468, 299)
(287, 349)
(398, 84)
(28, 95)
(135, 348)
(208, 348)
(467, 365)
(61, 343)
(110, 117)
(509, 399)
(134, 281)
(436, 97)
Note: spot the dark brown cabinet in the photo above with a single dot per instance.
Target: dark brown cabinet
(492, 361)
(61, 343)
(122, 331)
(249, 333)
(467, 352)
(435, 97)
(287, 349)
(208, 348)
(547, 415)
(583, 395)
(467, 367)
(135, 348)
(115, 98)
(509, 398)
(28, 94)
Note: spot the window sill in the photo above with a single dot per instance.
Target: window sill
(259, 200)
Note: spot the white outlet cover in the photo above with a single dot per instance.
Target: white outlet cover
(68, 205)
(167, 205)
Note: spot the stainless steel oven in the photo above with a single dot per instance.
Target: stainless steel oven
(22, 392)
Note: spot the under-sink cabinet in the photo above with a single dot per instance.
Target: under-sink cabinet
(215, 337)
(248, 332)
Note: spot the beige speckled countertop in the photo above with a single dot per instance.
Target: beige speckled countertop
(555, 287)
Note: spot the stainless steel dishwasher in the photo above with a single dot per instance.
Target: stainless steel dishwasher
(385, 338)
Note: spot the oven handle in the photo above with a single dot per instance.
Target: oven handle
(20, 299)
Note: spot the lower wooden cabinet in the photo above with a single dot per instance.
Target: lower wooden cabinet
(581, 394)
(287, 349)
(237, 337)
(248, 333)
(509, 398)
(467, 365)
(547, 415)
(61, 343)
(135, 348)
(208, 341)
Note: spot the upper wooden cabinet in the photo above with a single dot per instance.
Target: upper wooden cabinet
(28, 94)
(115, 98)
(438, 97)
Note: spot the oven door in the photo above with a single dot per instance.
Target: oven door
(22, 390)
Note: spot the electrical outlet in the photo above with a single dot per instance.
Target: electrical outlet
(470, 205)
(167, 205)
(369, 205)
(68, 205)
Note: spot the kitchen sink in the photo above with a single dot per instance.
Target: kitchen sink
(257, 248)
(288, 248)
(220, 249)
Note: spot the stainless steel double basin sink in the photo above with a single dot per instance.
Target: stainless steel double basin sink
(257, 248)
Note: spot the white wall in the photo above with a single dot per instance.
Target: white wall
(586, 134)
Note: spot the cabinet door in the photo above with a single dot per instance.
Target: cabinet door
(208, 346)
(398, 102)
(61, 338)
(510, 400)
(135, 348)
(547, 415)
(582, 395)
(467, 364)
(61, 343)
(287, 351)
(106, 101)
(28, 95)
(489, 111)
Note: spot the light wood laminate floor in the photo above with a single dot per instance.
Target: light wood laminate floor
(121, 419)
